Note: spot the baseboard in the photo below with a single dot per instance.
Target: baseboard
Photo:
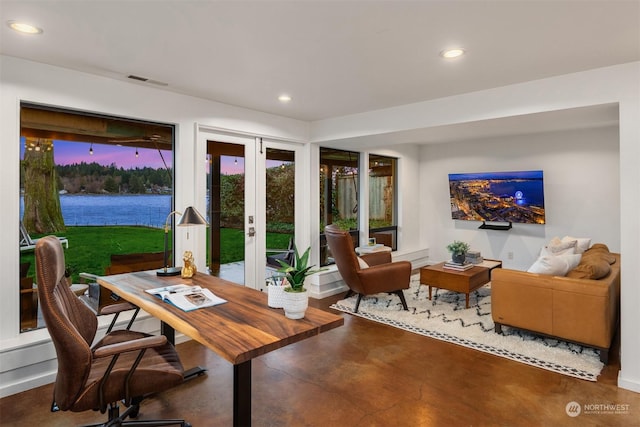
(628, 384)
(27, 384)
(326, 284)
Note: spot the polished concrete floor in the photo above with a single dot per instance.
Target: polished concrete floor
(368, 374)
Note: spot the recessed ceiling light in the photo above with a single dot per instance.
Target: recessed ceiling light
(452, 53)
(23, 27)
(284, 98)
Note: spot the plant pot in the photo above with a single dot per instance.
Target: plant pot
(458, 258)
(295, 304)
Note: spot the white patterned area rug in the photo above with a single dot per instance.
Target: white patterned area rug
(445, 318)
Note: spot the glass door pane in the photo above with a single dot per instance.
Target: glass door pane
(279, 206)
(226, 205)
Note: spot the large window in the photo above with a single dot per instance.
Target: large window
(382, 200)
(339, 195)
(103, 183)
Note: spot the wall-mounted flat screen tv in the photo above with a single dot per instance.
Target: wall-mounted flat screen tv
(514, 197)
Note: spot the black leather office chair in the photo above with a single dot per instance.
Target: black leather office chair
(123, 366)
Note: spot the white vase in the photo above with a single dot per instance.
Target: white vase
(275, 296)
(295, 304)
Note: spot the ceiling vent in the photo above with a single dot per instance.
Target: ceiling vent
(146, 80)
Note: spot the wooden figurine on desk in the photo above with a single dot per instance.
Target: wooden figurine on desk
(188, 266)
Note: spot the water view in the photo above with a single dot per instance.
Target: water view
(149, 210)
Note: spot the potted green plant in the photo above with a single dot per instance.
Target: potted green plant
(458, 251)
(295, 299)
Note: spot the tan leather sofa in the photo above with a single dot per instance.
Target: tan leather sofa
(572, 308)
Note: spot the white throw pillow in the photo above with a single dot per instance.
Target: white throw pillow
(555, 241)
(583, 243)
(549, 251)
(363, 263)
(556, 245)
(550, 265)
(555, 265)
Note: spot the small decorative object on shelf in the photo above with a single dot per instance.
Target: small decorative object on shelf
(458, 251)
(295, 298)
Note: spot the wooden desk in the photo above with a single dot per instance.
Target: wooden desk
(238, 330)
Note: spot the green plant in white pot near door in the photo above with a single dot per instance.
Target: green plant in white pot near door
(295, 298)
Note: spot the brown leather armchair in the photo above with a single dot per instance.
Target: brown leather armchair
(382, 275)
(123, 366)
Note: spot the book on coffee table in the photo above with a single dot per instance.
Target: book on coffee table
(455, 266)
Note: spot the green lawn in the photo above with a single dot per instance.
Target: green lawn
(90, 247)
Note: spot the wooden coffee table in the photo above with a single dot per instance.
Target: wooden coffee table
(458, 281)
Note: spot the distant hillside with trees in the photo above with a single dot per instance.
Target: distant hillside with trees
(94, 178)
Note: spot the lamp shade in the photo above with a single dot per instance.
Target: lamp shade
(192, 217)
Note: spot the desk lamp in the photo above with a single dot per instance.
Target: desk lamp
(190, 217)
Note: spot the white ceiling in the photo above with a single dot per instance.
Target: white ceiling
(333, 57)
(552, 121)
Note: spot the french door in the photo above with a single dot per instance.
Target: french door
(251, 203)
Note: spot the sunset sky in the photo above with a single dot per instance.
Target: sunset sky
(68, 153)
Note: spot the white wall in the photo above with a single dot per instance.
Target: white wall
(581, 185)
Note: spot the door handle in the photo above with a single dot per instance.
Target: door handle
(252, 231)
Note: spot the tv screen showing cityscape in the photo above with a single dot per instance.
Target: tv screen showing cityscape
(516, 197)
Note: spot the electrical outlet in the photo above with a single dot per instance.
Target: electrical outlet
(510, 255)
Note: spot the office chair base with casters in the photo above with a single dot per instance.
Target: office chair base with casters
(117, 419)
